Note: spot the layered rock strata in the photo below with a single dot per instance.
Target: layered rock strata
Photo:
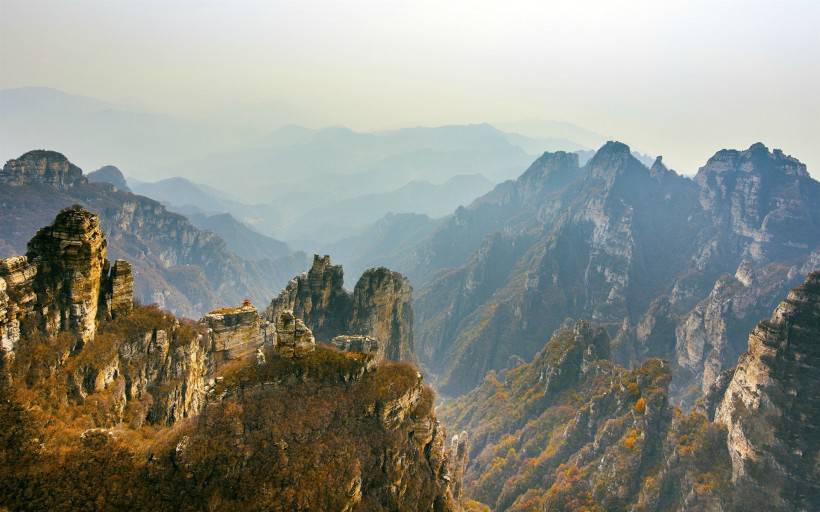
(234, 331)
(771, 406)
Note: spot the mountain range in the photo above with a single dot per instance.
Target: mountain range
(178, 265)
(673, 267)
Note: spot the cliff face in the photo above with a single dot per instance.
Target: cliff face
(771, 406)
(236, 331)
(379, 307)
(382, 309)
(177, 266)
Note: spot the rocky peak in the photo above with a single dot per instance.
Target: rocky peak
(379, 307)
(293, 337)
(771, 407)
(612, 158)
(109, 174)
(65, 282)
(382, 309)
(766, 198)
(42, 167)
(70, 259)
(550, 164)
(317, 297)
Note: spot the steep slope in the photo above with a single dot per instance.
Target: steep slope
(772, 406)
(643, 251)
(570, 430)
(109, 405)
(176, 265)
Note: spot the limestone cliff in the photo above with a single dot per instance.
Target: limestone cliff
(771, 406)
(42, 167)
(234, 331)
(380, 307)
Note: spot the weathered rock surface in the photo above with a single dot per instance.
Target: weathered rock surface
(379, 307)
(42, 167)
(318, 298)
(771, 406)
(65, 283)
(382, 309)
(70, 256)
(293, 338)
(234, 331)
(118, 290)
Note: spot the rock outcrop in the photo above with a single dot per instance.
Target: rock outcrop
(70, 256)
(234, 331)
(771, 406)
(379, 307)
(382, 309)
(358, 343)
(318, 298)
(118, 290)
(293, 338)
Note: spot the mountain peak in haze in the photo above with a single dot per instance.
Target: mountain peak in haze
(42, 167)
(109, 174)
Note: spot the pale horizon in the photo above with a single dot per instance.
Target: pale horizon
(681, 79)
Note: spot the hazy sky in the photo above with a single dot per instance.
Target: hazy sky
(681, 78)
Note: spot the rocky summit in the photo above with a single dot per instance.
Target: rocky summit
(111, 405)
(379, 307)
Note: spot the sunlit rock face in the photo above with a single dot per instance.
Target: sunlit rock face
(771, 406)
(234, 331)
(70, 259)
(379, 307)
